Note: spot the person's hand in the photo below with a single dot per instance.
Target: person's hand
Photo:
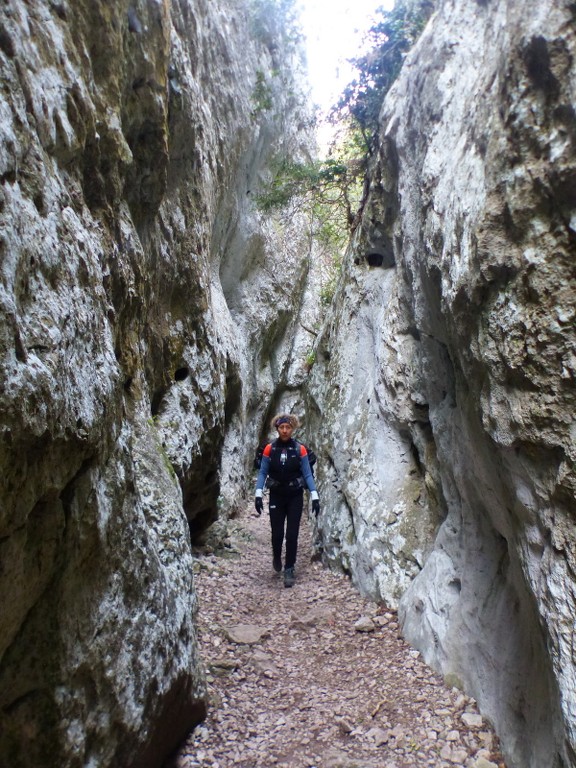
(258, 505)
(316, 507)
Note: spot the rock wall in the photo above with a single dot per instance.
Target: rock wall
(134, 134)
(443, 391)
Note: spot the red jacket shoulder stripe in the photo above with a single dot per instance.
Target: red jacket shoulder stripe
(303, 451)
(268, 450)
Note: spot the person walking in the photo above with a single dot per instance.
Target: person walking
(286, 471)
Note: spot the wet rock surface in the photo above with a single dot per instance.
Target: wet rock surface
(317, 675)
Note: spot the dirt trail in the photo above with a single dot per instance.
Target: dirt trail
(315, 676)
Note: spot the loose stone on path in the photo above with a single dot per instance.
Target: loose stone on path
(316, 676)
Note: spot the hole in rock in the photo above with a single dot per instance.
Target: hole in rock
(381, 258)
(156, 401)
(181, 373)
(455, 585)
(233, 394)
(200, 523)
(375, 259)
(538, 64)
(6, 44)
(39, 203)
(416, 456)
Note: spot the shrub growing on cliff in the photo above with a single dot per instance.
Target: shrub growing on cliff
(390, 38)
(333, 186)
(329, 190)
(262, 95)
(319, 184)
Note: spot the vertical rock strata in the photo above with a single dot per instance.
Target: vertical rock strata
(444, 388)
(133, 134)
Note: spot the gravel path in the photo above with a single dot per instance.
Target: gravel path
(315, 676)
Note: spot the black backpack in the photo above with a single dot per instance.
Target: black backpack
(260, 450)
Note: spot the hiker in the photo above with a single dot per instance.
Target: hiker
(285, 470)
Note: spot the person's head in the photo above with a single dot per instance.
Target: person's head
(285, 424)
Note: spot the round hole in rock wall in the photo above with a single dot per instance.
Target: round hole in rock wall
(455, 586)
(181, 373)
(383, 257)
(374, 259)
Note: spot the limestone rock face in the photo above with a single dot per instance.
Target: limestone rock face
(444, 390)
(133, 134)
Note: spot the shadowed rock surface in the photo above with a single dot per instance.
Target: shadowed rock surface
(444, 389)
(132, 137)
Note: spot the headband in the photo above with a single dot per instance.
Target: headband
(283, 420)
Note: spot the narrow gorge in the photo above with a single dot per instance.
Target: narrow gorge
(154, 316)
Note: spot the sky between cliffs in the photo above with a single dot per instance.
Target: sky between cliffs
(334, 31)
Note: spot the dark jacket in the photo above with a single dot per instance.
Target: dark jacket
(286, 467)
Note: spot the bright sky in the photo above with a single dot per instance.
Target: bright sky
(334, 30)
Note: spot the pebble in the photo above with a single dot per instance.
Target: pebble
(472, 720)
(244, 634)
(316, 676)
(481, 762)
(364, 624)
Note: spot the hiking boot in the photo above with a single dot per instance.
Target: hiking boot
(289, 577)
(277, 564)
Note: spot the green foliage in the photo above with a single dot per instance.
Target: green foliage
(275, 25)
(330, 189)
(290, 179)
(391, 37)
(329, 192)
(261, 95)
(329, 288)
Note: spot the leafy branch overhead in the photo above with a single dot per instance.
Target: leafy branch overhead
(328, 182)
(390, 38)
(333, 187)
(327, 192)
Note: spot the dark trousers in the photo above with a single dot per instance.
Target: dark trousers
(285, 514)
